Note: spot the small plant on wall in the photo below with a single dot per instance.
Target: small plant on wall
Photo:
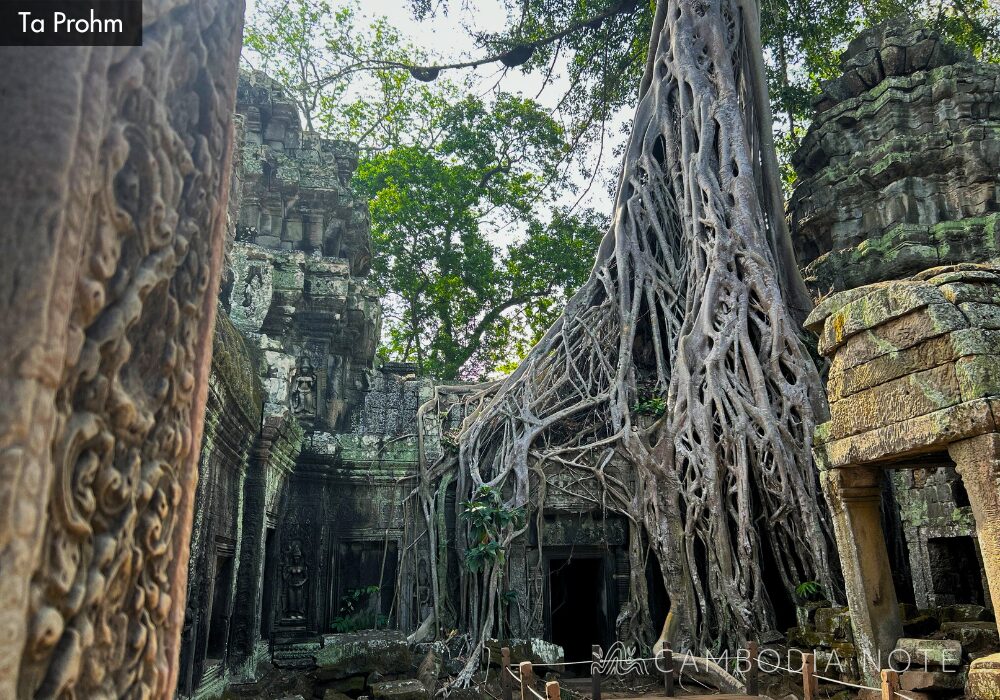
(808, 592)
(488, 516)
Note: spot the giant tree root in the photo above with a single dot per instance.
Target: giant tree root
(693, 302)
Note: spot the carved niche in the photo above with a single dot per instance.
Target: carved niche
(116, 168)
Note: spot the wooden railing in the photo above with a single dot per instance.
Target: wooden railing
(524, 679)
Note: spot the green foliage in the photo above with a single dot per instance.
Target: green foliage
(802, 42)
(459, 303)
(488, 516)
(358, 611)
(652, 406)
(809, 591)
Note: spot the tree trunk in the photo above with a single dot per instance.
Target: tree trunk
(695, 300)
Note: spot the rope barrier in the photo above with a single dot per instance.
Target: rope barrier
(596, 664)
(849, 684)
(562, 663)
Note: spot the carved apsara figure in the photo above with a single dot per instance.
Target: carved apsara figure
(303, 398)
(295, 574)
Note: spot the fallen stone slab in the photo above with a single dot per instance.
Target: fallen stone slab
(345, 655)
(932, 680)
(963, 612)
(537, 651)
(975, 637)
(930, 653)
(410, 689)
(834, 621)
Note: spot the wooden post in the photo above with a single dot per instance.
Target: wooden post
(527, 679)
(810, 685)
(668, 670)
(753, 684)
(552, 690)
(595, 673)
(505, 679)
(890, 684)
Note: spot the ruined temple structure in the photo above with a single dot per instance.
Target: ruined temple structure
(310, 454)
(116, 170)
(900, 169)
(293, 346)
(898, 201)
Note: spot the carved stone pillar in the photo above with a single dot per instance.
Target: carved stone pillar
(978, 463)
(115, 164)
(854, 495)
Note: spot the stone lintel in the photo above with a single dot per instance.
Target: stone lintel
(964, 343)
(896, 401)
(931, 432)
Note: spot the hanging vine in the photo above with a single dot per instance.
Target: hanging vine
(679, 358)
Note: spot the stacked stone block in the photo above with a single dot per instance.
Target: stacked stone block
(900, 168)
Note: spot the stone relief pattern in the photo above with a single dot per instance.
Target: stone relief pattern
(101, 602)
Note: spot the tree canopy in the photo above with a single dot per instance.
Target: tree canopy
(458, 304)
(476, 242)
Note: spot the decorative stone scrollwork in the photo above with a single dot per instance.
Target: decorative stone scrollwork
(142, 217)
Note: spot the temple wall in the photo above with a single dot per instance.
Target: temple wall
(116, 169)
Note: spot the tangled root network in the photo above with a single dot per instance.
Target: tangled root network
(694, 302)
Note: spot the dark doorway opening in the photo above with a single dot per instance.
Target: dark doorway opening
(578, 605)
(360, 566)
(895, 542)
(218, 626)
(267, 598)
(659, 600)
(955, 571)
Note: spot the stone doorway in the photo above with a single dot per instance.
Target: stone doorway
(359, 566)
(218, 627)
(579, 603)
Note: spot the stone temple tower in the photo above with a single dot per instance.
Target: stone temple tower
(896, 220)
(295, 340)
